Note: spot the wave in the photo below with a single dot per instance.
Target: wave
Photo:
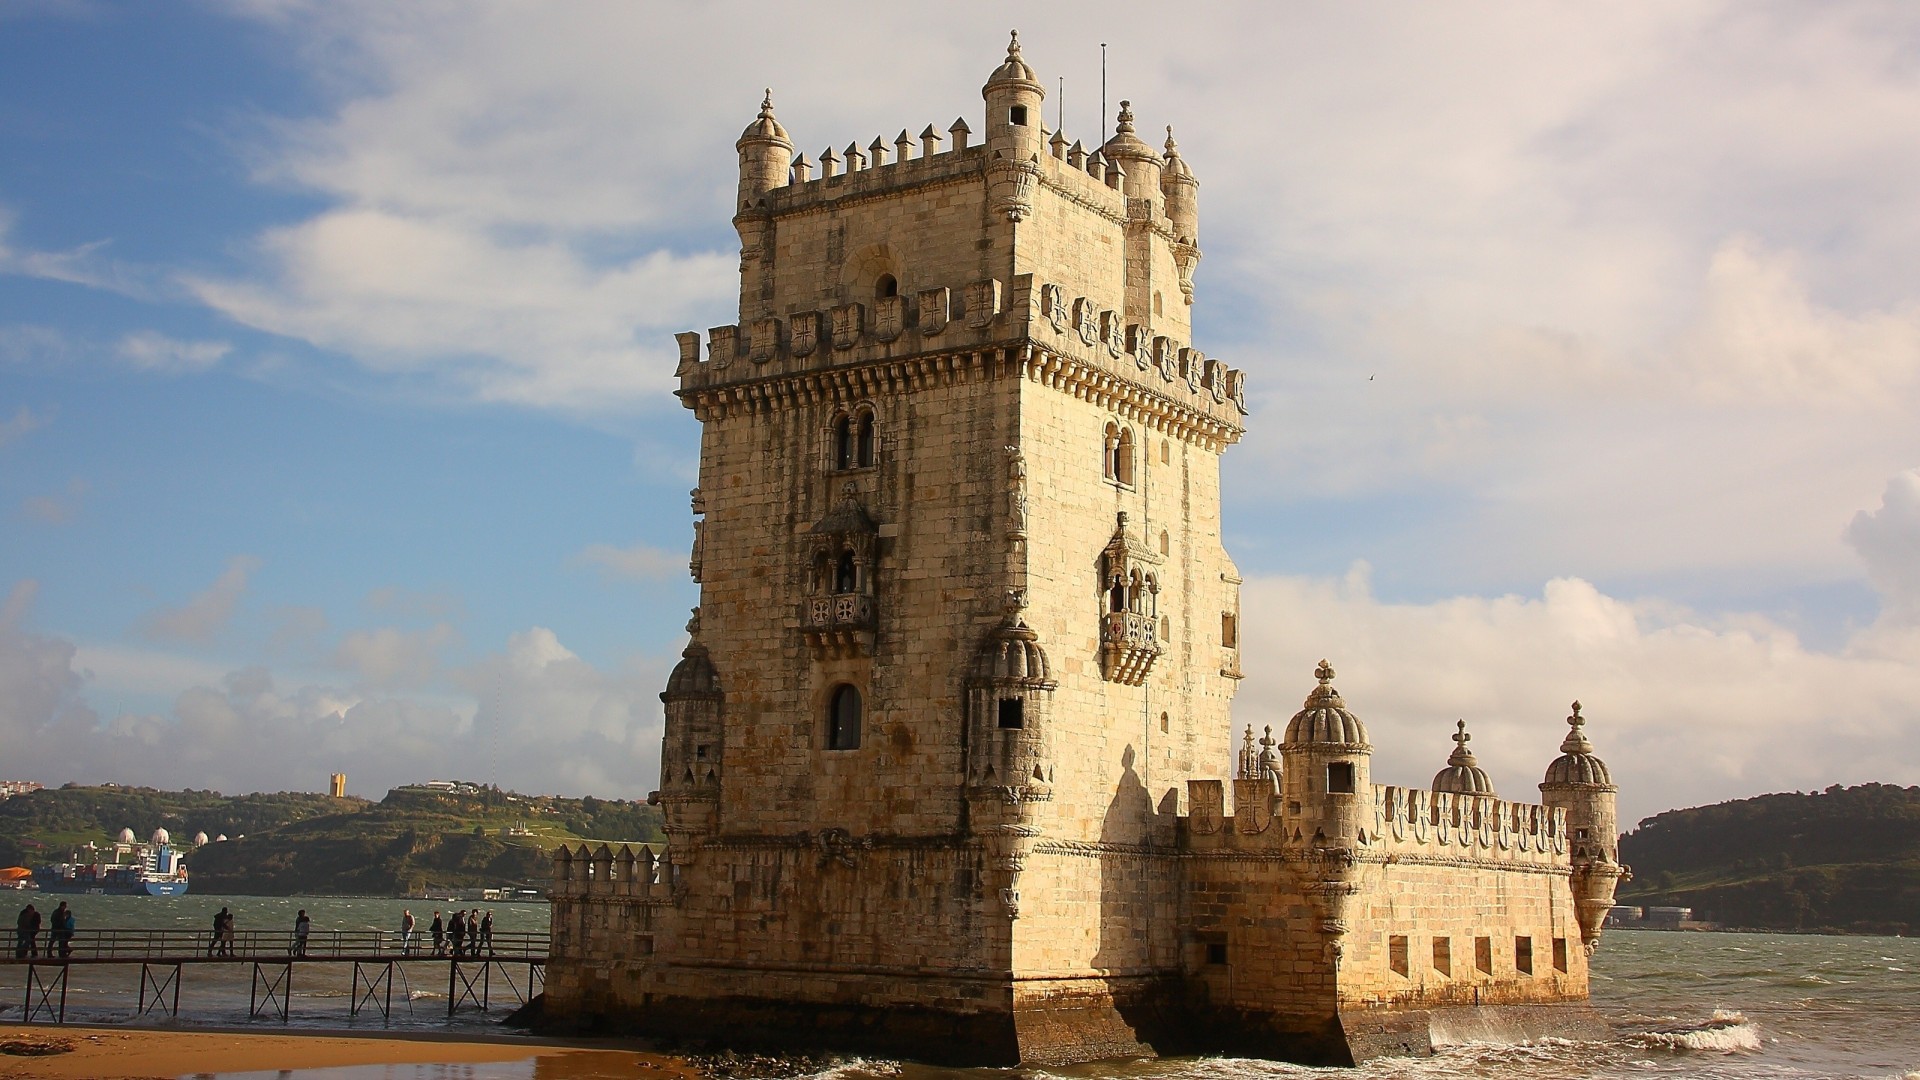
(1727, 1031)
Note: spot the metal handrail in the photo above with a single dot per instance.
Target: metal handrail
(130, 944)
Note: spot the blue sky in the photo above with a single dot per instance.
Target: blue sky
(335, 350)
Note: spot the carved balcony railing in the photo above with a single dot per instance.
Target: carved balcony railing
(1129, 644)
(838, 625)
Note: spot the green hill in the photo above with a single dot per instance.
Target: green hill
(1845, 859)
(297, 843)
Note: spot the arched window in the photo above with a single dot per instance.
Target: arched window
(886, 287)
(1117, 594)
(1134, 598)
(843, 718)
(1110, 443)
(1152, 600)
(863, 441)
(846, 577)
(1121, 468)
(843, 439)
(1156, 302)
(1166, 543)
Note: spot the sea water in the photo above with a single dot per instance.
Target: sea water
(1714, 1006)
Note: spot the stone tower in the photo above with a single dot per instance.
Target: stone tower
(946, 755)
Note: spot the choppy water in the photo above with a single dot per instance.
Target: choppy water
(1712, 1006)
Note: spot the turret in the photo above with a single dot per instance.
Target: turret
(1325, 768)
(1579, 782)
(1135, 158)
(1463, 774)
(691, 748)
(1182, 193)
(1014, 96)
(765, 156)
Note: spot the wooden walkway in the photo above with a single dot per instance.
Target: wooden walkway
(164, 955)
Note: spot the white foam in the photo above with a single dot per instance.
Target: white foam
(1727, 1031)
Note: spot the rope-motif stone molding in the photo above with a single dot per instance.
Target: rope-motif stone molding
(1127, 399)
(839, 386)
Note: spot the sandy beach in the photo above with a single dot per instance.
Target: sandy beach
(121, 1053)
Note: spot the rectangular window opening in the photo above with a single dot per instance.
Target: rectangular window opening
(1483, 955)
(1443, 955)
(1523, 955)
(1397, 954)
(1216, 952)
(1560, 955)
(1340, 777)
(1013, 713)
(1018, 115)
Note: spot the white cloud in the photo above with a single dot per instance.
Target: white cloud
(1888, 541)
(23, 423)
(389, 658)
(1685, 708)
(636, 563)
(207, 612)
(80, 265)
(150, 350)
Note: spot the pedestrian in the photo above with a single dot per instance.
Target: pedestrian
(406, 932)
(302, 926)
(28, 928)
(486, 931)
(219, 924)
(473, 931)
(60, 934)
(439, 931)
(223, 931)
(457, 932)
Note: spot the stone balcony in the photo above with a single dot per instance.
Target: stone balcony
(1129, 644)
(838, 625)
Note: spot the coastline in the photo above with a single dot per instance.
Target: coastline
(126, 1053)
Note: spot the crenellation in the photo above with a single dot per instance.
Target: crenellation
(942, 771)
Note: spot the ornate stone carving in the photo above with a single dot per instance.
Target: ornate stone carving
(983, 303)
(723, 343)
(1016, 494)
(1012, 184)
(1113, 332)
(849, 323)
(765, 340)
(806, 333)
(933, 310)
(1086, 320)
(1053, 307)
(889, 317)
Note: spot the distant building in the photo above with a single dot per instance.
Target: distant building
(10, 788)
(337, 785)
(946, 770)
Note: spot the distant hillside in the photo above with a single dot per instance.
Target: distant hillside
(413, 839)
(1842, 859)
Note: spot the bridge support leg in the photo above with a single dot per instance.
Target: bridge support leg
(377, 989)
(464, 986)
(40, 994)
(271, 991)
(160, 988)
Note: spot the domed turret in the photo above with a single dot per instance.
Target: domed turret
(160, 837)
(693, 744)
(199, 839)
(221, 839)
(1580, 783)
(1007, 704)
(1182, 193)
(1136, 159)
(1325, 769)
(126, 836)
(1463, 775)
(1014, 96)
(765, 156)
(693, 677)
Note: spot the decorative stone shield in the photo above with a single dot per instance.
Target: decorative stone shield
(889, 317)
(1053, 307)
(983, 303)
(806, 333)
(934, 305)
(849, 322)
(765, 342)
(1084, 320)
(1112, 332)
(723, 343)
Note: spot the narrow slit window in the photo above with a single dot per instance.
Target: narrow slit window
(843, 443)
(1560, 955)
(1397, 954)
(1443, 955)
(1483, 955)
(863, 441)
(843, 718)
(1229, 629)
(1523, 955)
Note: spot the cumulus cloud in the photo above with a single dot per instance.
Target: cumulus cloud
(150, 350)
(1888, 541)
(207, 612)
(636, 563)
(1686, 708)
(390, 658)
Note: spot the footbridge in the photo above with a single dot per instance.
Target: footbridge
(374, 960)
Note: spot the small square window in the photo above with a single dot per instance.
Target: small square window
(1340, 777)
(1017, 115)
(1216, 952)
(1013, 713)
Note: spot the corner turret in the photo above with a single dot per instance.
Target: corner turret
(1182, 193)
(1014, 96)
(1580, 782)
(1326, 767)
(1463, 774)
(766, 155)
(691, 748)
(1136, 159)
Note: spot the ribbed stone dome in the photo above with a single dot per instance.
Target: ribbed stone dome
(764, 127)
(693, 676)
(1577, 763)
(199, 838)
(1013, 653)
(1013, 69)
(1324, 720)
(1176, 168)
(126, 836)
(1125, 145)
(160, 836)
(1463, 775)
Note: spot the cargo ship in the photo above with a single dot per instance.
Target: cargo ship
(155, 868)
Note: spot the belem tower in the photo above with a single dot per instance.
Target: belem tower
(949, 772)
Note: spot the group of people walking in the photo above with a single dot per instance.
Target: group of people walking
(26, 944)
(468, 933)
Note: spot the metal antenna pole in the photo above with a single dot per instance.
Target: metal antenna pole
(1103, 93)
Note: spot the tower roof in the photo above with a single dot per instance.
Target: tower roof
(1463, 775)
(764, 127)
(1176, 167)
(1012, 653)
(1324, 720)
(1577, 763)
(1125, 145)
(1014, 70)
(693, 676)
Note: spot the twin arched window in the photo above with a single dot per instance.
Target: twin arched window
(1135, 592)
(843, 718)
(853, 440)
(1117, 463)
